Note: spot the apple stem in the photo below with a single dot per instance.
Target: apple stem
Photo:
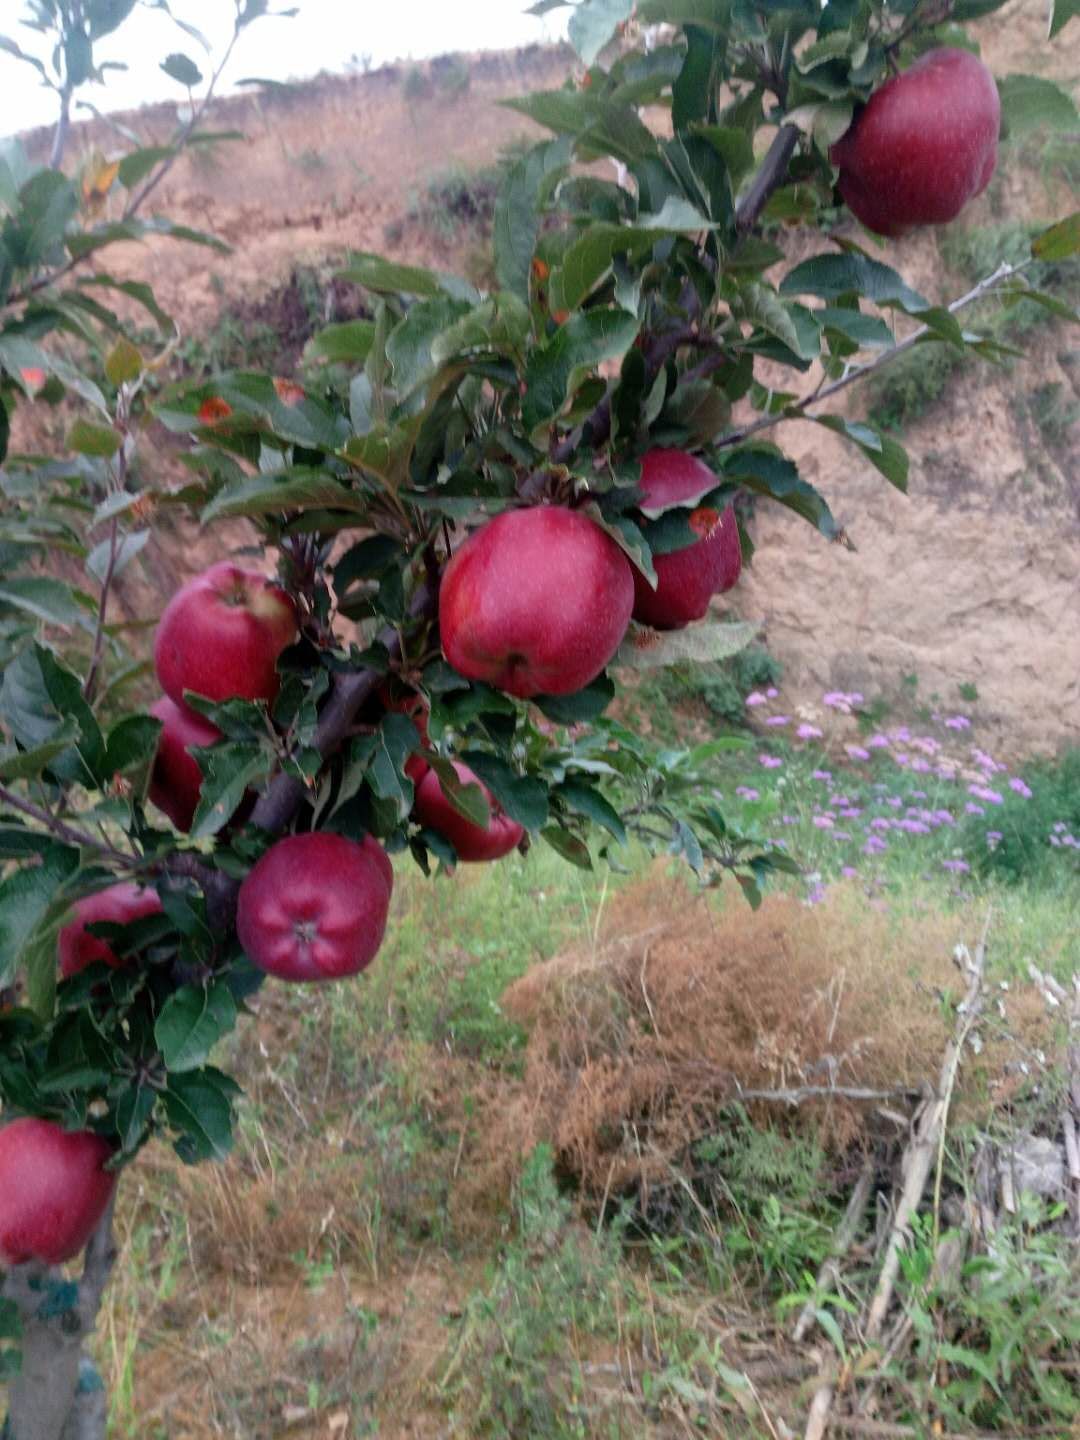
(57, 1394)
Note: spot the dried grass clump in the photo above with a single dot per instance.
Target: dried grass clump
(638, 1043)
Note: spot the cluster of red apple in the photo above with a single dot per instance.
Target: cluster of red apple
(535, 602)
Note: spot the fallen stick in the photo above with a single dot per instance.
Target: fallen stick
(845, 1238)
(922, 1154)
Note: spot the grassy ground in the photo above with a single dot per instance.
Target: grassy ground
(451, 1217)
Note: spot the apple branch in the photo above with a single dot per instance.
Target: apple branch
(800, 410)
(769, 178)
(68, 833)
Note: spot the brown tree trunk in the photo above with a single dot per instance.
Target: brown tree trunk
(58, 1394)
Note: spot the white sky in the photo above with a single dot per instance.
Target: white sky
(323, 36)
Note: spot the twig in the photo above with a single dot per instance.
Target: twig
(65, 832)
(800, 409)
(919, 1159)
(769, 177)
(798, 1094)
(846, 1232)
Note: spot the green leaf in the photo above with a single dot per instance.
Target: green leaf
(293, 489)
(863, 330)
(396, 740)
(762, 307)
(97, 562)
(26, 896)
(191, 1023)
(518, 212)
(1060, 241)
(1061, 12)
(65, 693)
(831, 276)
(767, 472)
(568, 846)
(411, 344)
(199, 1104)
(228, 769)
(883, 452)
(522, 797)
(28, 764)
(87, 439)
(179, 67)
(387, 278)
(18, 354)
(139, 163)
(131, 745)
(583, 706)
(123, 363)
(133, 1112)
(585, 341)
(1029, 102)
(466, 798)
(593, 23)
(583, 800)
(645, 649)
(348, 343)
(50, 600)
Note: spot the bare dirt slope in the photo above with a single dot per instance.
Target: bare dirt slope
(972, 578)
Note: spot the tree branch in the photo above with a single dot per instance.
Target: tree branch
(800, 409)
(68, 833)
(769, 178)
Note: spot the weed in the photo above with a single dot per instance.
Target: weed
(1053, 412)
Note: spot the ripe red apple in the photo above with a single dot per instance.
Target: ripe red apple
(686, 579)
(315, 906)
(120, 904)
(535, 602)
(221, 635)
(923, 145)
(472, 842)
(53, 1190)
(176, 779)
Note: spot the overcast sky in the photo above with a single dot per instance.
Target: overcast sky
(323, 36)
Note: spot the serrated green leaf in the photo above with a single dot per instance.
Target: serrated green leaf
(766, 472)
(179, 67)
(645, 649)
(884, 453)
(28, 764)
(1060, 241)
(583, 800)
(518, 214)
(294, 489)
(228, 770)
(139, 163)
(50, 600)
(1061, 12)
(96, 440)
(385, 277)
(830, 276)
(26, 896)
(192, 1021)
(1031, 102)
(586, 340)
(199, 1104)
(523, 797)
(593, 23)
(348, 343)
(466, 798)
(123, 363)
(566, 844)
(97, 562)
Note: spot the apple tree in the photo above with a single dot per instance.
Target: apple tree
(477, 511)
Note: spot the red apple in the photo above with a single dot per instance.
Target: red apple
(53, 1190)
(472, 842)
(923, 146)
(686, 579)
(120, 904)
(221, 635)
(176, 779)
(535, 602)
(315, 906)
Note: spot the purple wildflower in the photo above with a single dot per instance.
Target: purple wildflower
(1020, 787)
